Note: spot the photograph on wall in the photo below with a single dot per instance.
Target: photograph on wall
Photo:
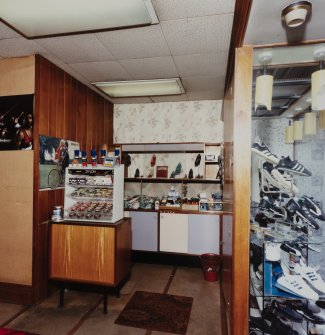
(55, 156)
(16, 122)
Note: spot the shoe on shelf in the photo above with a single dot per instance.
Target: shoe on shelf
(286, 164)
(153, 160)
(307, 310)
(262, 150)
(293, 284)
(313, 207)
(272, 252)
(137, 173)
(298, 207)
(197, 160)
(276, 179)
(261, 324)
(311, 276)
(282, 308)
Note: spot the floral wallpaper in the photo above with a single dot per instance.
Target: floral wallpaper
(168, 122)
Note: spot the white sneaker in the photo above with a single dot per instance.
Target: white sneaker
(272, 252)
(294, 284)
(311, 276)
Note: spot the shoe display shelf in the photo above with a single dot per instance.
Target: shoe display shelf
(287, 289)
(169, 172)
(189, 162)
(94, 194)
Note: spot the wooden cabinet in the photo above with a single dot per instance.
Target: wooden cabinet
(203, 234)
(173, 232)
(90, 253)
(193, 234)
(144, 231)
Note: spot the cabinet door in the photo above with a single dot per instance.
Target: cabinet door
(173, 232)
(82, 253)
(144, 231)
(203, 235)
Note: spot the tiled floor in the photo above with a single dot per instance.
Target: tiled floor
(82, 313)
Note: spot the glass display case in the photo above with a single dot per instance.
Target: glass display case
(94, 194)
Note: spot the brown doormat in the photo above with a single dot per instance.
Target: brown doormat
(155, 311)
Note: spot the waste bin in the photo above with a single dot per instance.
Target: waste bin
(211, 266)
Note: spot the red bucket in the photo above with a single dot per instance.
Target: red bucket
(211, 266)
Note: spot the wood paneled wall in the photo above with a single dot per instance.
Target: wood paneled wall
(64, 108)
(237, 130)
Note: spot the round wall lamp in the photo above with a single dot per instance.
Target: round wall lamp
(295, 14)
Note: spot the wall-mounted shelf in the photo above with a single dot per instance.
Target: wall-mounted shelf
(173, 180)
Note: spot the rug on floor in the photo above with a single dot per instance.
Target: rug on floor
(8, 331)
(155, 311)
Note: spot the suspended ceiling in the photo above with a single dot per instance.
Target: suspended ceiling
(191, 41)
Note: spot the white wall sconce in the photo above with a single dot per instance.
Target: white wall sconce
(296, 13)
(321, 122)
(264, 85)
(318, 82)
(310, 124)
(288, 136)
(298, 130)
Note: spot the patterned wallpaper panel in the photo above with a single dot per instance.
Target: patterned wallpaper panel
(168, 122)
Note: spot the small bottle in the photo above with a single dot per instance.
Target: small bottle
(76, 158)
(93, 154)
(102, 156)
(84, 158)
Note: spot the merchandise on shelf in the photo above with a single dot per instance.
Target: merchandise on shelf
(94, 194)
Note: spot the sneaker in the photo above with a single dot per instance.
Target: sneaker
(313, 208)
(308, 310)
(311, 276)
(276, 179)
(298, 207)
(197, 160)
(272, 252)
(286, 164)
(153, 160)
(294, 284)
(262, 150)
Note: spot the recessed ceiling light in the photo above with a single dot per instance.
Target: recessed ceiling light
(295, 14)
(140, 88)
(35, 18)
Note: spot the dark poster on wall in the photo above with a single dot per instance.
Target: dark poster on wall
(16, 122)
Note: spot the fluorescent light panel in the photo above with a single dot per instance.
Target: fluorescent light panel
(141, 88)
(43, 18)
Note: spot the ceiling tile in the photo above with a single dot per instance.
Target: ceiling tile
(181, 9)
(150, 68)
(101, 71)
(135, 43)
(170, 98)
(203, 83)
(6, 32)
(213, 64)
(76, 48)
(18, 47)
(199, 35)
(205, 95)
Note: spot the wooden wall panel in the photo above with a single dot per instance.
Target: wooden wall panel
(64, 108)
(17, 76)
(16, 216)
(237, 116)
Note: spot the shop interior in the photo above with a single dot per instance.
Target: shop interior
(194, 213)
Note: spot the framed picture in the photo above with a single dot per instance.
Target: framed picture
(162, 172)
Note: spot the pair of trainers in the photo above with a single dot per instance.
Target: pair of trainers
(281, 164)
(306, 209)
(272, 177)
(293, 262)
